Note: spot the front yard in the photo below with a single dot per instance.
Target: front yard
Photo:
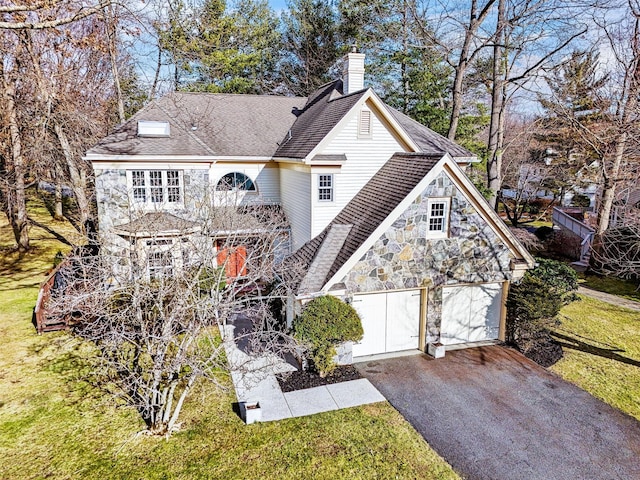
(601, 343)
(53, 424)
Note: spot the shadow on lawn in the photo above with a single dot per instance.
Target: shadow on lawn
(612, 353)
(20, 270)
(71, 364)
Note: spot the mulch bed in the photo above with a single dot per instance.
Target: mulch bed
(545, 351)
(299, 380)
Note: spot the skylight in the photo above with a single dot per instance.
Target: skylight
(149, 128)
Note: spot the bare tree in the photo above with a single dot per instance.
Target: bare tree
(51, 91)
(13, 167)
(50, 14)
(461, 32)
(153, 299)
(617, 252)
(523, 174)
(623, 40)
(606, 130)
(529, 37)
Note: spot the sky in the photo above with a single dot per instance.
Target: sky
(278, 4)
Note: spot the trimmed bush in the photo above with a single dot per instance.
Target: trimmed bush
(533, 305)
(324, 323)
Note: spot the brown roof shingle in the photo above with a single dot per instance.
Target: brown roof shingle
(156, 223)
(324, 109)
(205, 124)
(208, 124)
(430, 142)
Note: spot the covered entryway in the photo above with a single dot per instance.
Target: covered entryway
(391, 322)
(471, 313)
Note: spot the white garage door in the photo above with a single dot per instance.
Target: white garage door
(391, 322)
(471, 313)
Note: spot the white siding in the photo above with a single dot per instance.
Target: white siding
(295, 183)
(264, 176)
(365, 156)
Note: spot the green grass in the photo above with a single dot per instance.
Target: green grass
(602, 352)
(53, 424)
(614, 286)
(537, 224)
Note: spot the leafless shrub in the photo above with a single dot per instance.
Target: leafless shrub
(528, 239)
(617, 252)
(153, 299)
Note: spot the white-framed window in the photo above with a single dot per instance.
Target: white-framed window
(325, 187)
(154, 187)
(159, 264)
(364, 124)
(236, 181)
(438, 217)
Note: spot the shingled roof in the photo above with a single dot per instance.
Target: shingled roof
(430, 142)
(205, 124)
(208, 124)
(156, 223)
(324, 109)
(363, 214)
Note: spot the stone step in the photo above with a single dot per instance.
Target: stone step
(580, 266)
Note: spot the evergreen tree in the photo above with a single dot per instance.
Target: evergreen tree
(217, 49)
(311, 45)
(576, 103)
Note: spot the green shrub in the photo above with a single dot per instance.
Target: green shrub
(533, 305)
(324, 323)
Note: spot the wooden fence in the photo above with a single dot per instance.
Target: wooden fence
(43, 320)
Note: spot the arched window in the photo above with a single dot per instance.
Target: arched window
(236, 181)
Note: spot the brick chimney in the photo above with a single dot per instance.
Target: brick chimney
(353, 71)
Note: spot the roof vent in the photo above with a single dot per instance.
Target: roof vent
(149, 128)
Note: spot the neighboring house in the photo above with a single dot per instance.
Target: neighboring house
(626, 208)
(379, 210)
(531, 180)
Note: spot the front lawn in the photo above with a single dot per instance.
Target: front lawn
(601, 343)
(53, 424)
(614, 286)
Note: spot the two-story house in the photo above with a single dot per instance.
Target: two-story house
(378, 208)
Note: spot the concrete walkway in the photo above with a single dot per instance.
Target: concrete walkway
(254, 379)
(494, 414)
(612, 299)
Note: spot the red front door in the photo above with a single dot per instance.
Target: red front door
(234, 261)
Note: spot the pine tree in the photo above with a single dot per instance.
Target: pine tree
(311, 45)
(576, 105)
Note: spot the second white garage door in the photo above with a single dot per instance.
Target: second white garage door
(391, 322)
(471, 313)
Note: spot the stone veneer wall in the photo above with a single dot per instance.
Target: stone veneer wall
(114, 208)
(112, 197)
(404, 258)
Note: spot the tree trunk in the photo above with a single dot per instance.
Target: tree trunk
(110, 19)
(470, 34)
(461, 70)
(609, 188)
(78, 180)
(15, 189)
(57, 202)
(494, 162)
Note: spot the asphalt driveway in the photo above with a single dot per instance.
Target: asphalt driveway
(494, 414)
